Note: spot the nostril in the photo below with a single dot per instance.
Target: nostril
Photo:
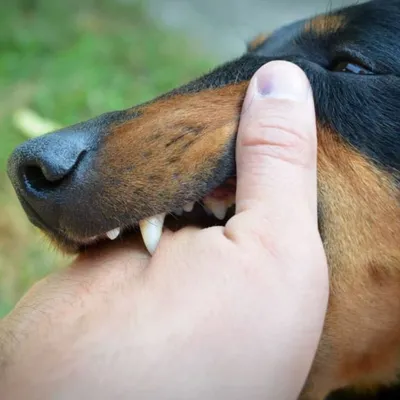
(41, 168)
(44, 175)
(35, 179)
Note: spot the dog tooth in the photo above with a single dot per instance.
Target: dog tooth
(188, 207)
(114, 233)
(151, 229)
(220, 210)
(217, 207)
(179, 212)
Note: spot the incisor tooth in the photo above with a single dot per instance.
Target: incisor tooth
(114, 233)
(179, 213)
(151, 229)
(217, 207)
(188, 207)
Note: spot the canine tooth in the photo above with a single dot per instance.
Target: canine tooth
(218, 207)
(114, 233)
(188, 207)
(151, 229)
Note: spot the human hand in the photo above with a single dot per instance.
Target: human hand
(231, 312)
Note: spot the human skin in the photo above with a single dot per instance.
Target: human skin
(230, 312)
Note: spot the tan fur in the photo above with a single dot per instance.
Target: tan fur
(258, 41)
(324, 24)
(361, 214)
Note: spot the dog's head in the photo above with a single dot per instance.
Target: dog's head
(111, 172)
(117, 169)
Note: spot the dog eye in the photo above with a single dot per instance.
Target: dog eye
(351, 67)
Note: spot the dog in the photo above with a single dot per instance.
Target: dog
(125, 170)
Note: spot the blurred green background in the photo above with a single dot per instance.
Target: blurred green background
(68, 61)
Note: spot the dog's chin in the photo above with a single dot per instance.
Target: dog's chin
(212, 210)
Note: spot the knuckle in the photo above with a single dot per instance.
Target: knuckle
(247, 229)
(283, 133)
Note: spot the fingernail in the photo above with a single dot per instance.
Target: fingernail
(282, 80)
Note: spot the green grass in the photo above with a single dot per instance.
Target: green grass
(70, 61)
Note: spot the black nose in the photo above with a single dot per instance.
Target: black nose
(44, 164)
(41, 170)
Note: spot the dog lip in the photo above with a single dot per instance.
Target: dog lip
(212, 210)
(198, 217)
(66, 242)
(33, 215)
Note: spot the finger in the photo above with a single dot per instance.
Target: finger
(276, 149)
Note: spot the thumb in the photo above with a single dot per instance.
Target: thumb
(276, 150)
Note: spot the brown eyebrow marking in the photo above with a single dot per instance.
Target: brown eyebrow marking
(324, 24)
(257, 41)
